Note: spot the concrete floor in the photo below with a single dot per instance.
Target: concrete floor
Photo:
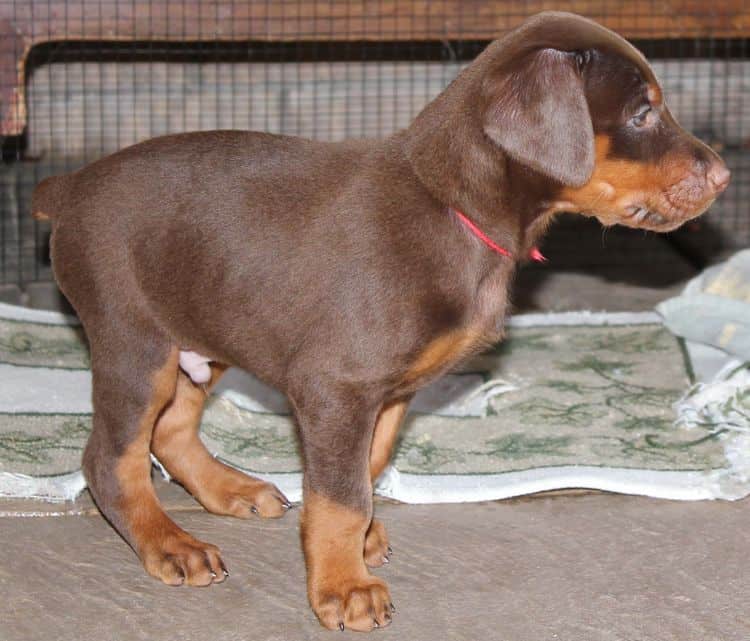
(589, 567)
(586, 567)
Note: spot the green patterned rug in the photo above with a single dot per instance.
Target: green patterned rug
(570, 400)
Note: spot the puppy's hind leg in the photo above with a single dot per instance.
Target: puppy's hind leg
(133, 380)
(218, 487)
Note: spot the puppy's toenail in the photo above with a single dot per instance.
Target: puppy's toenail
(386, 559)
(390, 550)
(254, 510)
(393, 608)
(213, 574)
(341, 626)
(375, 623)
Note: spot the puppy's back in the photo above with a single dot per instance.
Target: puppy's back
(170, 168)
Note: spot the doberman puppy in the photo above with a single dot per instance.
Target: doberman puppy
(347, 275)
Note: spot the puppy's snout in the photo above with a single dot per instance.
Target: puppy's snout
(717, 176)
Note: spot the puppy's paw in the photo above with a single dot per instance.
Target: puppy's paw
(377, 550)
(244, 496)
(178, 558)
(359, 604)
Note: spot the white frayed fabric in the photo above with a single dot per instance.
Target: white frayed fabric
(721, 408)
(50, 488)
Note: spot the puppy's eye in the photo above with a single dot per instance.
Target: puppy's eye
(640, 118)
(582, 58)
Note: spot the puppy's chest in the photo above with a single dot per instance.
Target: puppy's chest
(483, 326)
(444, 352)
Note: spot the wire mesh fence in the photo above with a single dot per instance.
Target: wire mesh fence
(82, 78)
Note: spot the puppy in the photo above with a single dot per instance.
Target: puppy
(347, 275)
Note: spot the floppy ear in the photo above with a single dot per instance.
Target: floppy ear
(537, 112)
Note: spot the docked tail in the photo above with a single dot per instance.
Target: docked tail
(47, 197)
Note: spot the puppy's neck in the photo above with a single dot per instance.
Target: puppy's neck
(464, 170)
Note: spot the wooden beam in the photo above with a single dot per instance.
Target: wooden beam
(32, 22)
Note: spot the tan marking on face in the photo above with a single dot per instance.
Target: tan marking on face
(617, 184)
(611, 180)
(654, 95)
(444, 351)
(386, 430)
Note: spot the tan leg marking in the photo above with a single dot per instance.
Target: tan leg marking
(377, 549)
(342, 593)
(167, 552)
(218, 487)
(386, 430)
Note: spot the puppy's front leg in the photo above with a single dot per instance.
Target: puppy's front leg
(336, 435)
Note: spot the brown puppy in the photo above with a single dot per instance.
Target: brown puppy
(344, 274)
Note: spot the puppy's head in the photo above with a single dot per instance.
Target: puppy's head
(578, 104)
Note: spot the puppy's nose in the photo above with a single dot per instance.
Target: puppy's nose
(718, 177)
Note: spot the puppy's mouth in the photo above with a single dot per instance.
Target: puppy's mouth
(640, 216)
(661, 212)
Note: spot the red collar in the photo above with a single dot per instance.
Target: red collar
(534, 252)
